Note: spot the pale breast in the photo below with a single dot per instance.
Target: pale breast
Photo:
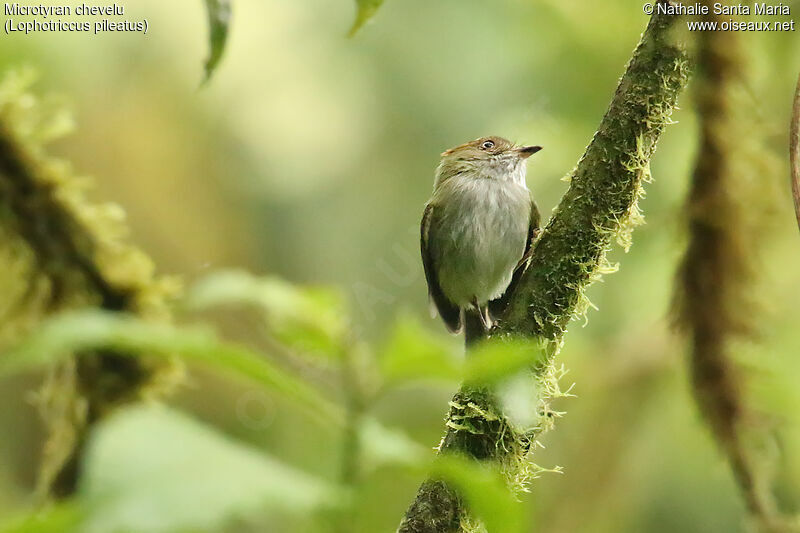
(478, 236)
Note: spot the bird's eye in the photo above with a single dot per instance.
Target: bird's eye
(487, 145)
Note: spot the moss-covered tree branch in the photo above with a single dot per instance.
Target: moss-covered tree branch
(61, 252)
(712, 302)
(600, 205)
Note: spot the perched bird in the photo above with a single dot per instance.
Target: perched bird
(477, 228)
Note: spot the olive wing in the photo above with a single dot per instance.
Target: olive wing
(449, 312)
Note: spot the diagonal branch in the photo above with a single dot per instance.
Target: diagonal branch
(600, 205)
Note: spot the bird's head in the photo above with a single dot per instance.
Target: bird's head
(487, 157)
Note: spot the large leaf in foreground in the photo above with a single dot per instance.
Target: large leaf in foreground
(82, 331)
(412, 354)
(153, 470)
(485, 490)
(309, 319)
(61, 518)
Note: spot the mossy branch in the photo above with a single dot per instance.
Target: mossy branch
(712, 302)
(601, 204)
(65, 253)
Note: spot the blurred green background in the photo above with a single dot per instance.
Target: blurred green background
(310, 156)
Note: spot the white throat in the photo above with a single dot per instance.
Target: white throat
(513, 170)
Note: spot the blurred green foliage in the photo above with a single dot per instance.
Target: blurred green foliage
(309, 156)
(148, 469)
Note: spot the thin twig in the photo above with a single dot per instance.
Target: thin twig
(794, 152)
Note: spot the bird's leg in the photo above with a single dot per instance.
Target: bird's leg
(487, 317)
(524, 262)
(483, 313)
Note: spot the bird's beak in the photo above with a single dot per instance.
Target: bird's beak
(526, 151)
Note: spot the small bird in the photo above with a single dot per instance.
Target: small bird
(477, 229)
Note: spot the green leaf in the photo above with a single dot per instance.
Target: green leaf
(366, 9)
(153, 470)
(496, 359)
(59, 519)
(219, 17)
(78, 332)
(308, 319)
(387, 446)
(485, 491)
(413, 353)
